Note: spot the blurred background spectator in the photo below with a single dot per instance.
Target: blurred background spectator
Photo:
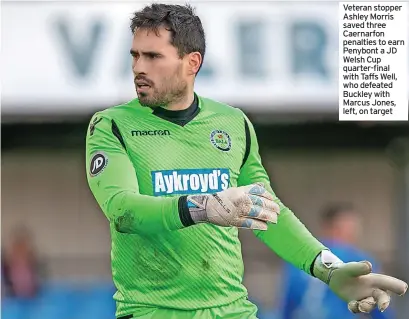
(278, 61)
(21, 266)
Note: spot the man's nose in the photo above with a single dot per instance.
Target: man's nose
(139, 67)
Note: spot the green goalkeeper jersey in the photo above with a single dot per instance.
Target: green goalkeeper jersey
(140, 163)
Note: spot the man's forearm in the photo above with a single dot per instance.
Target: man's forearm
(292, 241)
(135, 213)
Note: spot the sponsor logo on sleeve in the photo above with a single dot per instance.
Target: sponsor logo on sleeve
(98, 163)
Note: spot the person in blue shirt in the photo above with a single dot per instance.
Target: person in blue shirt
(305, 297)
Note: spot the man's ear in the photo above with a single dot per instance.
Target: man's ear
(195, 61)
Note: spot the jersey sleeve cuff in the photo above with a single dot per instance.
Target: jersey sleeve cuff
(184, 213)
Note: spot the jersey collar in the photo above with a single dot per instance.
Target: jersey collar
(181, 117)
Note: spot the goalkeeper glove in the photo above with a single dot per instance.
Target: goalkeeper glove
(243, 207)
(355, 283)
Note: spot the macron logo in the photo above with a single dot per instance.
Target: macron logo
(151, 133)
(190, 181)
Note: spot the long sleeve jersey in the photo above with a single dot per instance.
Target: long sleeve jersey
(140, 162)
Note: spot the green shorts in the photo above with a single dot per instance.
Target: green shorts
(240, 309)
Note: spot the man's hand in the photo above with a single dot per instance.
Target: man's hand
(244, 207)
(355, 283)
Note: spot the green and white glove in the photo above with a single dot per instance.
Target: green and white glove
(355, 283)
(243, 207)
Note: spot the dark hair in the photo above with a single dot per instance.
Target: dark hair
(334, 210)
(187, 34)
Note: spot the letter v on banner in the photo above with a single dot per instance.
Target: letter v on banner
(81, 54)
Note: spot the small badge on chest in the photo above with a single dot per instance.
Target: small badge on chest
(221, 140)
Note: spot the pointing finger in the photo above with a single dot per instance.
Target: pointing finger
(388, 283)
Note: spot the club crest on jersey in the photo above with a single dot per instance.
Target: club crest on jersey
(221, 140)
(98, 162)
(190, 181)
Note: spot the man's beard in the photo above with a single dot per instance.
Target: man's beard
(172, 90)
(164, 97)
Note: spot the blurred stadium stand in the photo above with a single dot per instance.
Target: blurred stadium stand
(63, 300)
(277, 61)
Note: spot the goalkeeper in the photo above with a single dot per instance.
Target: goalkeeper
(177, 174)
